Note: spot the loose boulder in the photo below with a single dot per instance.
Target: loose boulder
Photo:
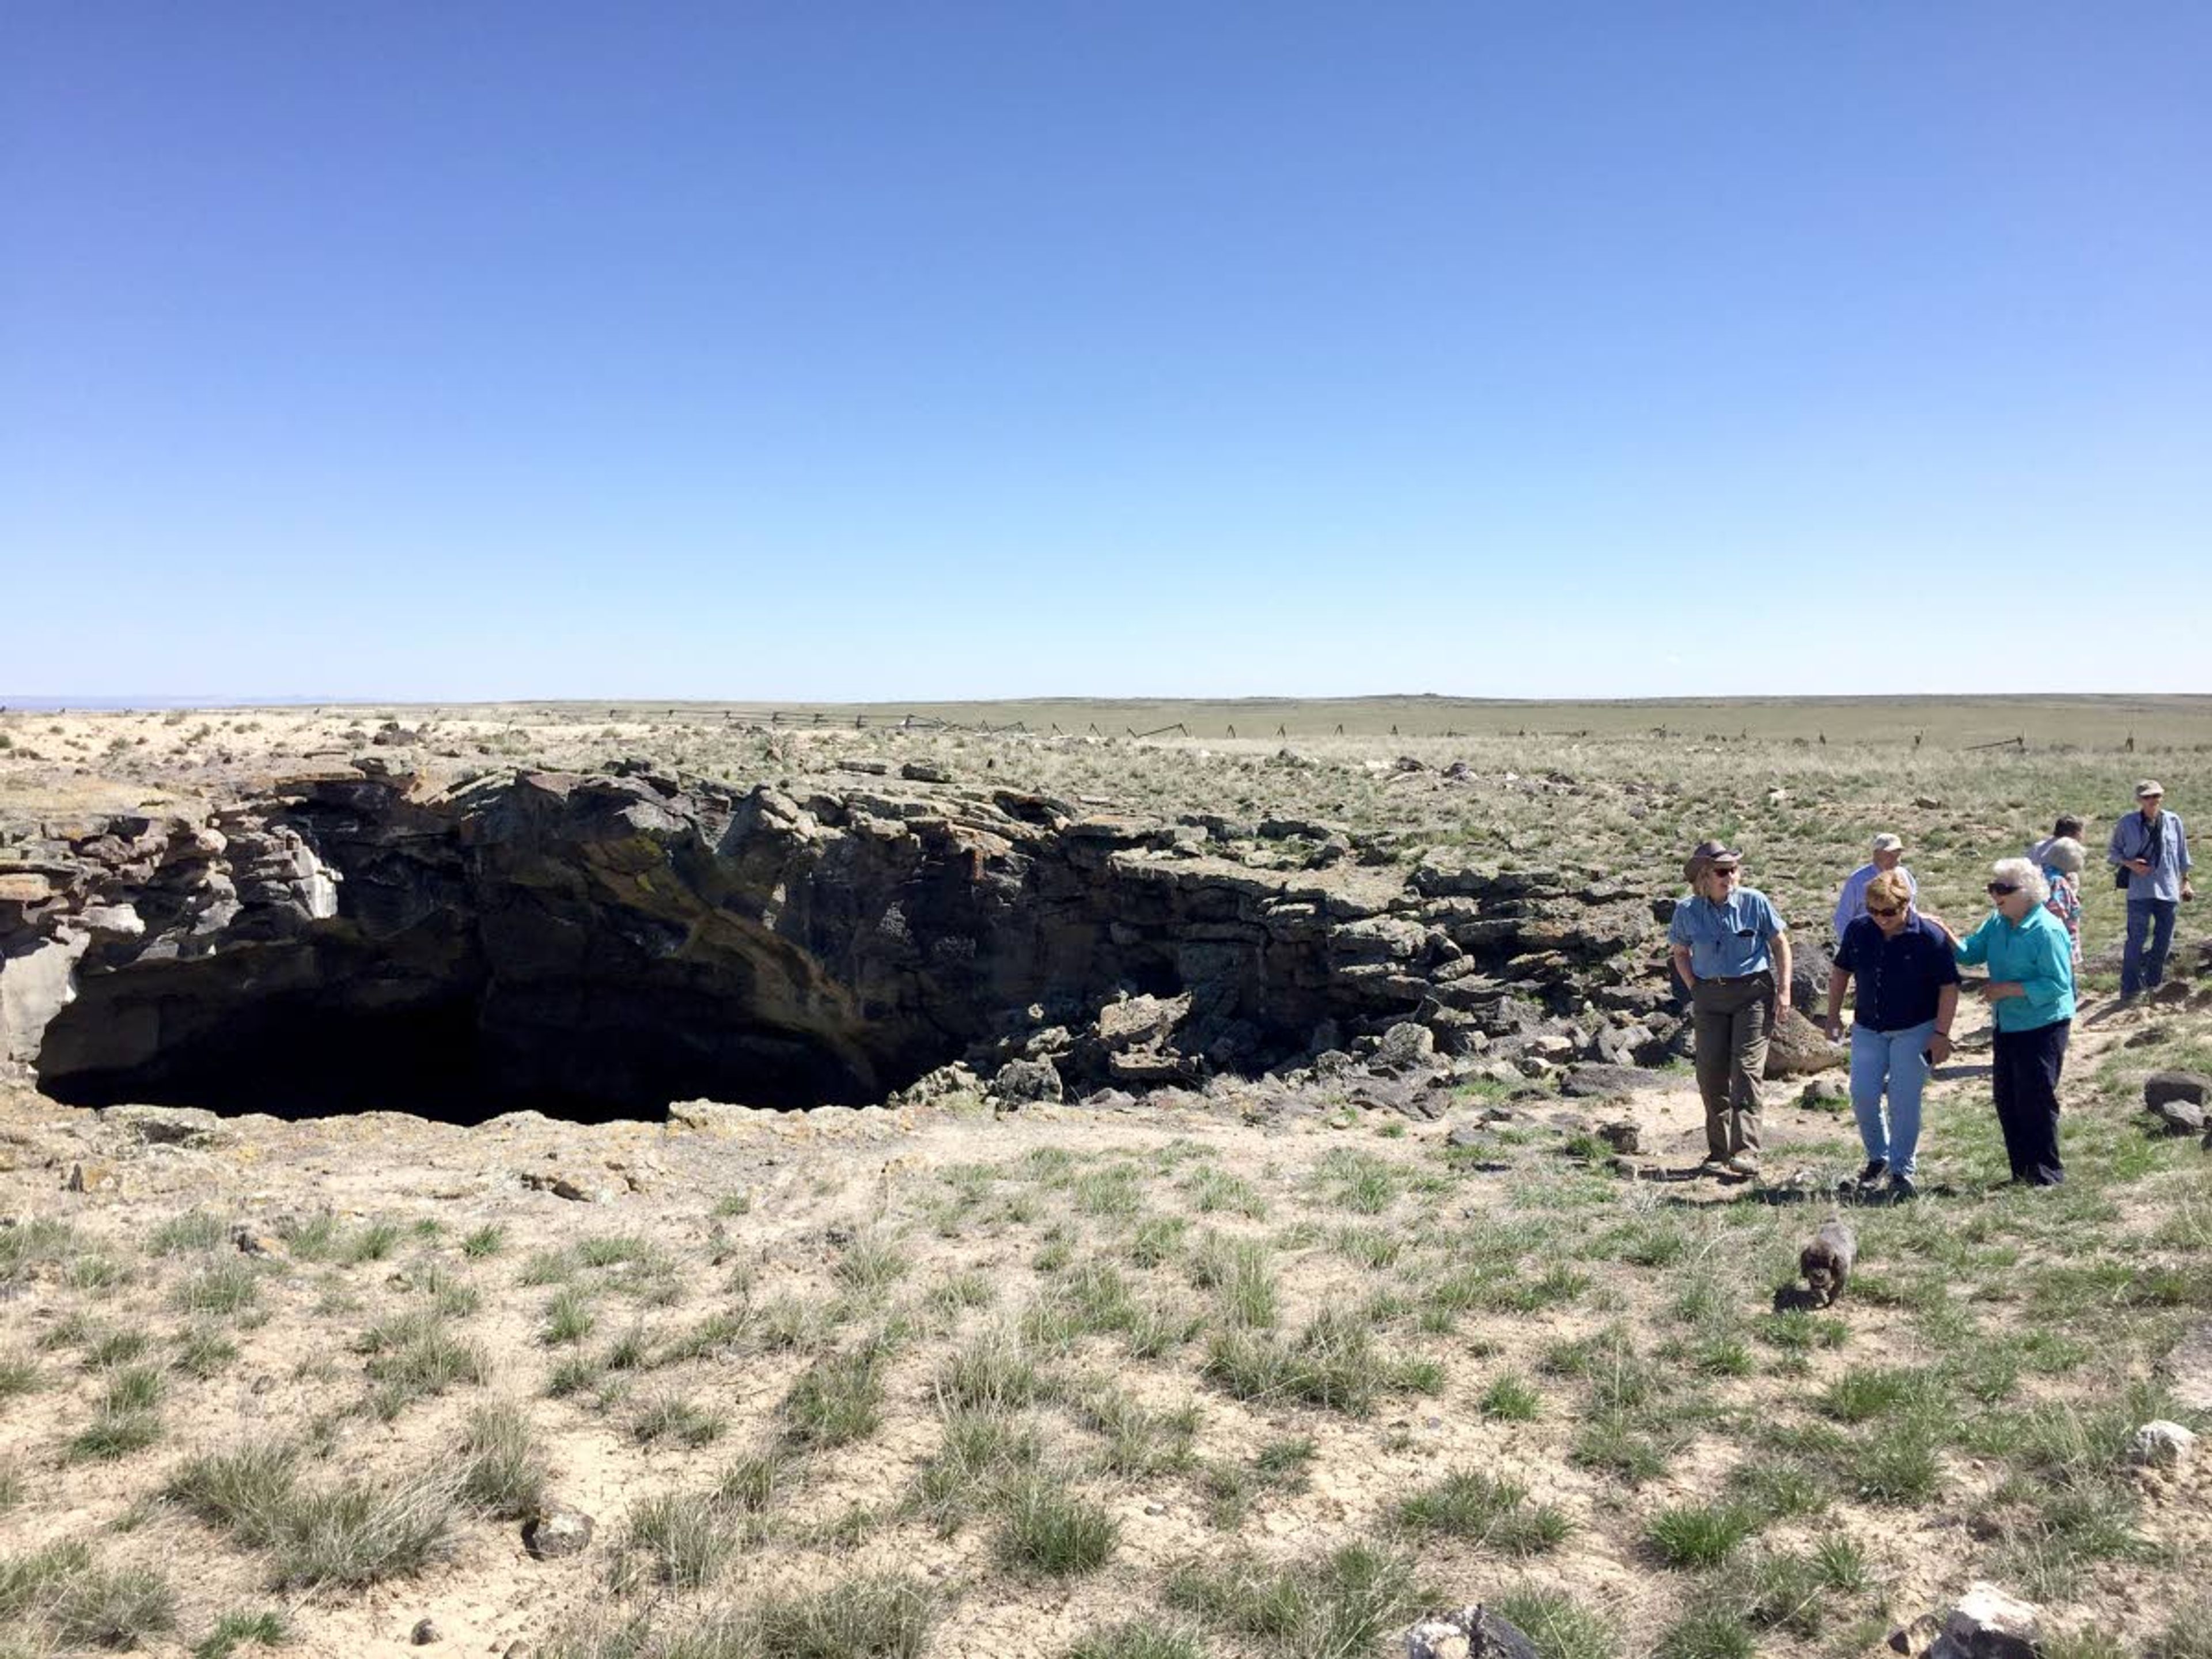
(1595, 1081)
(556, 1531)
(2179, 1117)
(1026, 1082)
(1405, 1047)
(1988, 1624)
(1473, 1632)
(2160, 1444)
(1825, 1094)
(2184, 1088)
(1799, 1048)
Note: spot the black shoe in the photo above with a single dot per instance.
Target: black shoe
(1875, 1169)
(1900, 1190)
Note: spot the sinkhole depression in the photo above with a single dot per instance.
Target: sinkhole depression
(597, 946)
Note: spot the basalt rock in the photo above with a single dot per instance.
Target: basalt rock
(1798, 1047)
(592, 945)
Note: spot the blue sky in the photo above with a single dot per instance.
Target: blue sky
(892, 351)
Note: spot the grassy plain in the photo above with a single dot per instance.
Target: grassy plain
(1151, 1385)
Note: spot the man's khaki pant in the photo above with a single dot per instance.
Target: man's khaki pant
(1732, 1018)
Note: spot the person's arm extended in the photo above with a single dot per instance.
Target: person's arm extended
(2112, 847)
(1973, 950)
(1946, 1013)
(2181, 842)
(1838, 979)
(1781, 975)
(1681, 953)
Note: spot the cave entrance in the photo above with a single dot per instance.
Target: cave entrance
(195, 1035)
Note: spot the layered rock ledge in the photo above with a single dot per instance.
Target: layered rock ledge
(599, 944)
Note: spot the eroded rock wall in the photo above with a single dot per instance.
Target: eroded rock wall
(614, 942)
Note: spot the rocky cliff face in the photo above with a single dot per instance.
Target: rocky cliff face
(605, 944)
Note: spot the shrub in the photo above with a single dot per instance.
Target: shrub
(113, 1608)
(1706, 1633)
(114, 1434)
(1698, 1535)
(673, 1417)
(1510, 1398)
(267, 1630)
(1489, 1514)
(503, 1470)
(682, 1540)
(351, 1535)
(226, 1287)
(874, 1616)
(247, 1491)
(837, 1399)
(195, 1229)
(1139, 1639)
(1049, 1530)
(992, 1373)
(1560, 1627)
(1338, 1606)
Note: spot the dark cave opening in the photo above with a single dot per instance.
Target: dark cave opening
(578, 1051)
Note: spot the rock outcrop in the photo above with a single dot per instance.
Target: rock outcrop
(596, 944)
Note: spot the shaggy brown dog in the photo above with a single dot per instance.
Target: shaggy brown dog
(1827, 1261)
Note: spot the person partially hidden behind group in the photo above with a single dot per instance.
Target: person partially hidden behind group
(2068, 828)
(1908, 998)
(2061, 861)
(1732, 953)
(2031, 988)
(1888, 854)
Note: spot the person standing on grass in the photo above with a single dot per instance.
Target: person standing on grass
(1908, 996)
(1732, 953)
(2068, 828)
(2151, 847)
(2031, 987)
(2061, 861)
(1888, 855)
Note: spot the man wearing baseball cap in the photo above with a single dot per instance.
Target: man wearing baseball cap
(1888, 854)
(1732, 953)
(2149, 849)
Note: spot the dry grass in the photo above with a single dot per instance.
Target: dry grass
(1203, 1385)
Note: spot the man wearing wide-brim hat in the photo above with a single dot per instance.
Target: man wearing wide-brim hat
(1732, 950)
(2150, 846)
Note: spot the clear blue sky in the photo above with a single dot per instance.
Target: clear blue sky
(892, 350)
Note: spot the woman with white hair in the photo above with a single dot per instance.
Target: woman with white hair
(2031, 989)
(2061, 861)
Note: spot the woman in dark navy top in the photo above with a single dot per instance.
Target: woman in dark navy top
(1908, 996)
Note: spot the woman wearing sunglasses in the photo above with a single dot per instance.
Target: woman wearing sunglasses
(1731, 953)
(1908, 993)
(2031, 988)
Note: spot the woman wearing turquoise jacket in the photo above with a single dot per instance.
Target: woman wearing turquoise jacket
(2031, 989)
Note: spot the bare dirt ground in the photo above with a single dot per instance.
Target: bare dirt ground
(1190, 1378)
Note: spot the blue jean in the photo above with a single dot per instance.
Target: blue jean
(1896, 1060)
(2150, 935)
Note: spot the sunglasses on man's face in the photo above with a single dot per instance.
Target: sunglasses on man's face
(1878, 910)
(2003, 889)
